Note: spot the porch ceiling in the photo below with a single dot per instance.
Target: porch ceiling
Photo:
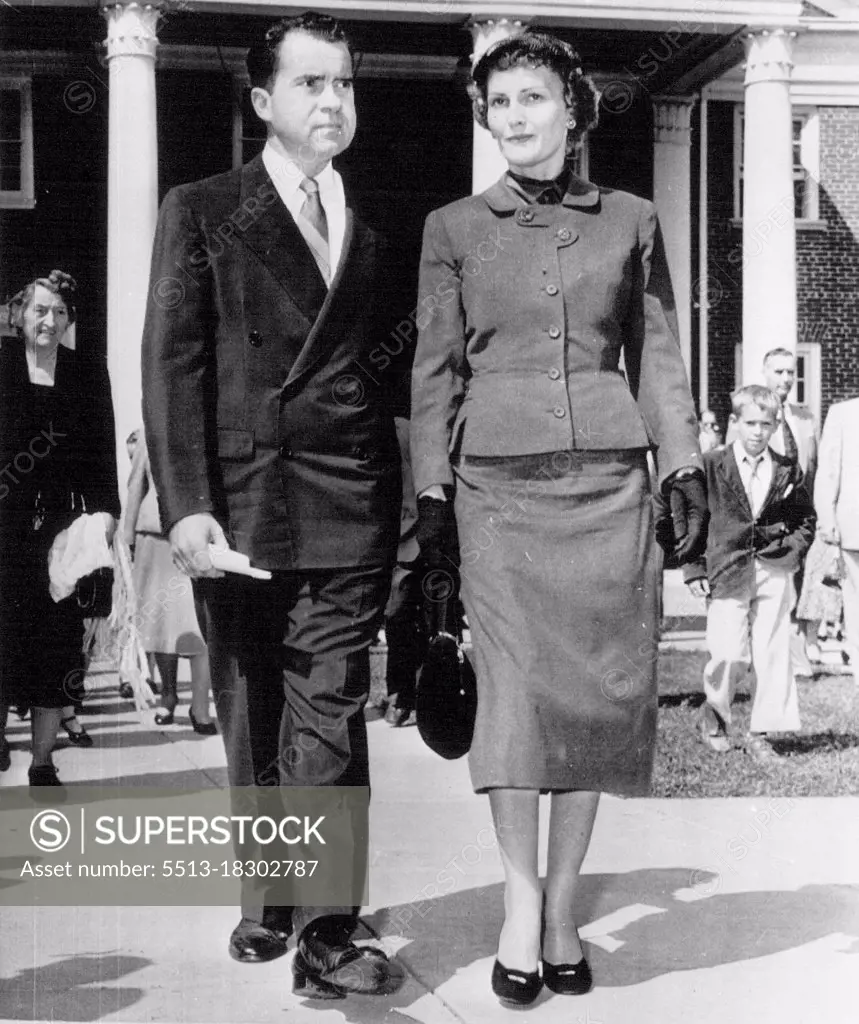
(659, 61)
(659, 15)
(697, 15)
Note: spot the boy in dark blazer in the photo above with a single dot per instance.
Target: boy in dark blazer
(265, 434)
(761, 525)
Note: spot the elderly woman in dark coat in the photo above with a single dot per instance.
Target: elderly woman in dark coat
(58, 459)
(525, 426)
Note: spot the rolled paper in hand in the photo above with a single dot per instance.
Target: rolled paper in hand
(233, 561)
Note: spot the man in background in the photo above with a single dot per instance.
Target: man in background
(836, 500)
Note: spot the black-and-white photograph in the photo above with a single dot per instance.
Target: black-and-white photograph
(429, 540)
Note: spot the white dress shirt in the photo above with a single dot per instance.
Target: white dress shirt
(287, 177)
(756, 472)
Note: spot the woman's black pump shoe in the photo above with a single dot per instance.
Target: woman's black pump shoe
(43, 775)
(166, 714)
(515, 987)
(79, 739)
(568, 979)
(202, 728)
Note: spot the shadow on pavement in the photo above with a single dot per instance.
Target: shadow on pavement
(637, 926)
(74, 989)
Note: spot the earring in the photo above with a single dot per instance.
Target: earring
(571, 124)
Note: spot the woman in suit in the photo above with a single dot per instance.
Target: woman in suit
(59, 461)
(531, 443)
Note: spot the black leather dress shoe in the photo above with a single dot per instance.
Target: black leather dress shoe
(330, 967)
(252, 943)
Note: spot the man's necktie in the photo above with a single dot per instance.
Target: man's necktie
(313, 214)
(790, 449)
(756, 485)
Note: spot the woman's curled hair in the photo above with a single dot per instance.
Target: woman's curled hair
(533, 50)
(57, 281)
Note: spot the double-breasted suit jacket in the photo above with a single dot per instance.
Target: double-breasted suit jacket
(781, 533)
(258, 403)
(532, 309)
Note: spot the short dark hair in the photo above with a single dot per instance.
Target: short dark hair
(773, 352)
(534, 50)
(262, 59)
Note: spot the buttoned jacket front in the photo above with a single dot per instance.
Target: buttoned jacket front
(525, 314)
(257, 407)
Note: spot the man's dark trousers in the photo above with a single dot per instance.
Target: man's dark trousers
(290, 669)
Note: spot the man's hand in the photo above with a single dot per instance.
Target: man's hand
(436, 533)
(190, 539)
(699, 587)
(687, 500)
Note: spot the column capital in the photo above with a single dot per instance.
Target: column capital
(769, 55)
(131, 29)
(485, 32)
(672, 119)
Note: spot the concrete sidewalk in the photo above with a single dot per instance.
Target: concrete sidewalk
(738, 911)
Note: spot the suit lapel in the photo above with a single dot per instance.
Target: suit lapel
(780, 476)
(275, 240)
(730, 472)
(325, 332)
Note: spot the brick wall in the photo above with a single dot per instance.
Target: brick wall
(827, 260)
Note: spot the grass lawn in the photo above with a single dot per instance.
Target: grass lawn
(821, 760)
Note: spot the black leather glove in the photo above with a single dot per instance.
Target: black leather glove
(436, 533)
(686, 497)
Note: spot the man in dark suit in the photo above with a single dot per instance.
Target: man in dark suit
(265, 434)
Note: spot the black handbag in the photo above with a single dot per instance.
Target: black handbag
(94, 594)
(446, 697)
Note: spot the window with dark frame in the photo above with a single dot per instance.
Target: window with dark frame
(16, 144)
(806, 163)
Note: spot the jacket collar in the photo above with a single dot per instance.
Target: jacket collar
(501, 198)
(782, 469)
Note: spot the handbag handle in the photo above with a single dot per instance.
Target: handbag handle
(441, 612)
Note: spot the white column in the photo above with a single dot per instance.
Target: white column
(132, 203)
(769, 231)
(487, 162)
(672, 195)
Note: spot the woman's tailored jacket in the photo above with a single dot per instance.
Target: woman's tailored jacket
(525, 313)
